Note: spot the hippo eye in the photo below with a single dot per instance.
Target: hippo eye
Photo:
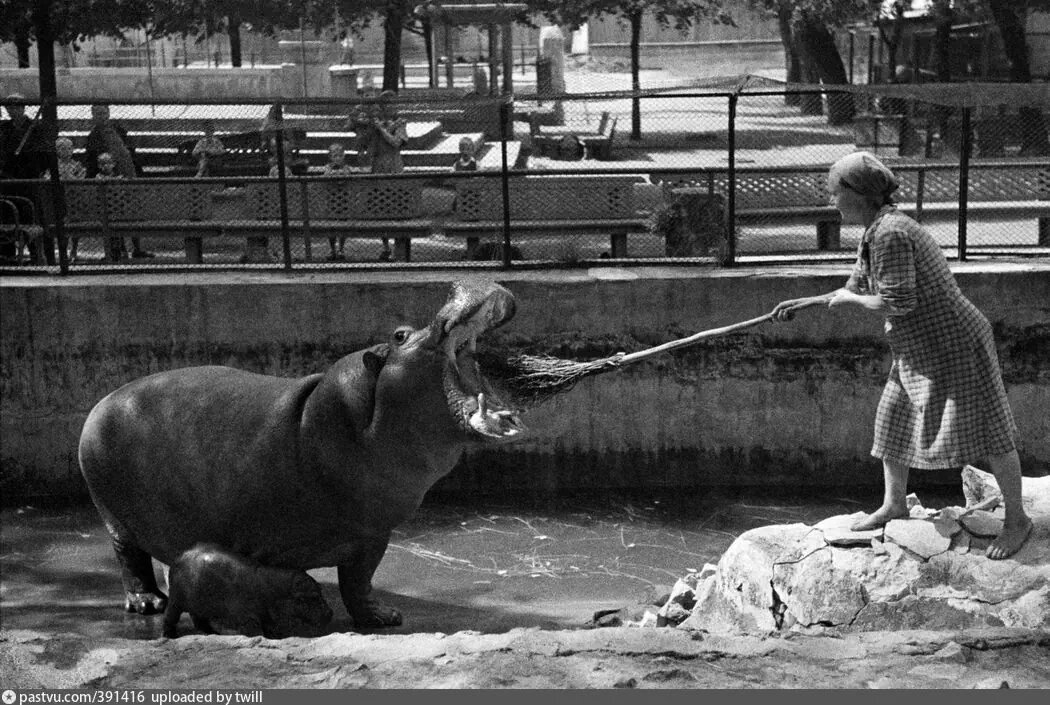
(401, 335)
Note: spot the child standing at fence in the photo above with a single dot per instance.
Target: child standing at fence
(208, 151)
(69, 168)
(337, 166)
(467, 160)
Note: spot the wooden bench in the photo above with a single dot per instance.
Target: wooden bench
(197, 209)
(549, 206)
(930, 192)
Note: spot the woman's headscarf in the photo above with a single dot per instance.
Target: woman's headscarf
(864, 173)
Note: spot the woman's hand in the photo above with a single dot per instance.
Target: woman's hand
(842, 297)
(785, 310)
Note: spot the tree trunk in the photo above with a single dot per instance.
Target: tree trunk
(22, 45)
(428, 45)
(809, 103)
(1034, 140)
(942, 39)
(636, 84)
(233, 30)
(791, 59)
(818, 48)
(392, 25)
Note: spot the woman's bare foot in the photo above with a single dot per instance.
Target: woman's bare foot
(1009, 540)
(879, 518)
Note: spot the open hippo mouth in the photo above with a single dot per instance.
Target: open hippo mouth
(472, 310)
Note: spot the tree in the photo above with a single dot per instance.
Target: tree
(68, 20)
(680, 14)
(810, 53)
(1008, 16)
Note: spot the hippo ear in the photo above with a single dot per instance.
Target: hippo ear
(375, 357)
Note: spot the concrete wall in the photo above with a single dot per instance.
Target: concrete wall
(181, 84)
(790, 404)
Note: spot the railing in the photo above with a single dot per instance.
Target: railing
(718, 177)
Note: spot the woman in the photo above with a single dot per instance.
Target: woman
(944, 404)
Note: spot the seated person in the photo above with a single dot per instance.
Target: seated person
(467, 160)
(571, 148)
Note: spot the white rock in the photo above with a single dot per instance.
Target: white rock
(982, 523)
(918, 577)
(837, 532)
(918, 536)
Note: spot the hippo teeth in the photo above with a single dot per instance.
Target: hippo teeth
(496, 424)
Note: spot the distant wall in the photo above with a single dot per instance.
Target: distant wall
(779, 405)
(700, 59)
(169, 84)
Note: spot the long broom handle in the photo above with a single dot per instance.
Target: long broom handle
(695, 338)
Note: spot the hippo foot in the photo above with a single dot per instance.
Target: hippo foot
(145, 602)
(373, 615)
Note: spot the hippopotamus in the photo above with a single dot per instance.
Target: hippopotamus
(295, 473)
(242, 594)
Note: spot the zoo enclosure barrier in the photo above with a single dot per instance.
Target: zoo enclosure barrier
(714, 173)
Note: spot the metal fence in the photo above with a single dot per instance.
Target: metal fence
(713, 174)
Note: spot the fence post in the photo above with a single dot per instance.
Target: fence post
(852, 53)
(504, 118)
(964, 179)
(730, 254)
(282, 185)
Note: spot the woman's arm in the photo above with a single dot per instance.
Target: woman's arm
(785, 310)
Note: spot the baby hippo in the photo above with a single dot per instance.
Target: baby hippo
(243, 595)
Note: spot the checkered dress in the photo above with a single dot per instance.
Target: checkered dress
(944, 404)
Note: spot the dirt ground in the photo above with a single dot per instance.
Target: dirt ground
(620, 657)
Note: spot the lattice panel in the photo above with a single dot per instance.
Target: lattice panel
(365, 199)
(547, 198)
(131, 202)
(1014, 184)
(378, 200)
(83, 202)
(264, 201)
(774, 189)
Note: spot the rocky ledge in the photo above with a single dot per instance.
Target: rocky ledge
(925, 572)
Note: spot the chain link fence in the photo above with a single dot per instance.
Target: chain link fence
(715, 173)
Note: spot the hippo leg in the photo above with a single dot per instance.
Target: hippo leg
(172, 614)
(355, 586)
(202, 624)
(141, 593)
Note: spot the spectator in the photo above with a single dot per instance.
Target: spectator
(209, 151)
(109, 137)
(467, 160)
(571, 148)
(337, 166)
(23, 155)
(275, 172)
(944, 404)
(389, 134)
(22, 152)
(69, 168)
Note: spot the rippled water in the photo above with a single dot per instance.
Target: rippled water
(486, 566)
